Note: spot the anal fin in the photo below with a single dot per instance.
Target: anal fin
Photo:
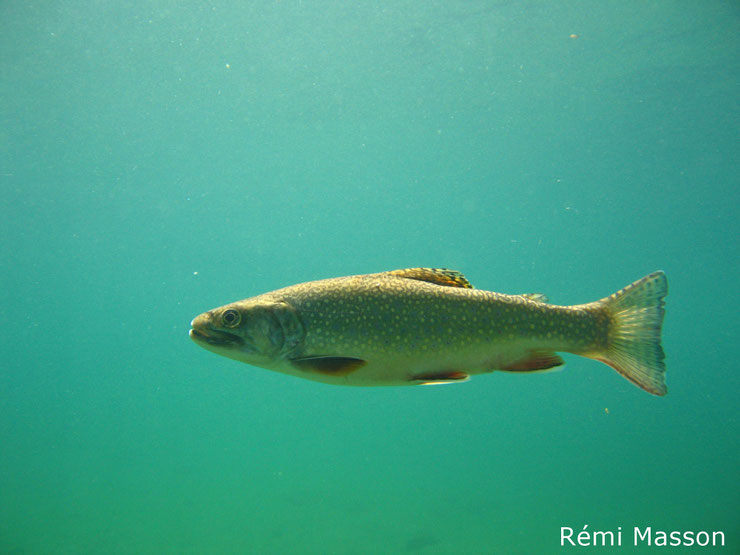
(438, 378)
(536, 361)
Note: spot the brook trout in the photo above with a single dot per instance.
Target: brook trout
(430, 326)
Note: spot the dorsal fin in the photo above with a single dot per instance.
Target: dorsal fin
(537, 297)
(438, 276)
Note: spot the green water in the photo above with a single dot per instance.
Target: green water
(158, 159)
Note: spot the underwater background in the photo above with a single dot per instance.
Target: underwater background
(158, 159)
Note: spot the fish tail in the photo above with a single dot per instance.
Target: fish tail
(633, 346)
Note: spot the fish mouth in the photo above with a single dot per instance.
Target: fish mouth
(215, 337)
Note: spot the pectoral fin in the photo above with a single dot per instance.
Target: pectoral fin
(437, 378)
(330, 365)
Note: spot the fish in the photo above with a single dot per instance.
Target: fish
(428, 326)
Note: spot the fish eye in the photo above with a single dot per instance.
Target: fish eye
(231, 318)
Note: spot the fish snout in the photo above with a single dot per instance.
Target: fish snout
(201, 322)
(203, 331)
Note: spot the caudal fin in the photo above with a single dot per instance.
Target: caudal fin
(633, 347)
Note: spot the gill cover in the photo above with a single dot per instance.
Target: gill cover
(274, 328)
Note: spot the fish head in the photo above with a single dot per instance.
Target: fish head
(258, 332)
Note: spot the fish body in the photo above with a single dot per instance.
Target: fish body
(428, 326)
